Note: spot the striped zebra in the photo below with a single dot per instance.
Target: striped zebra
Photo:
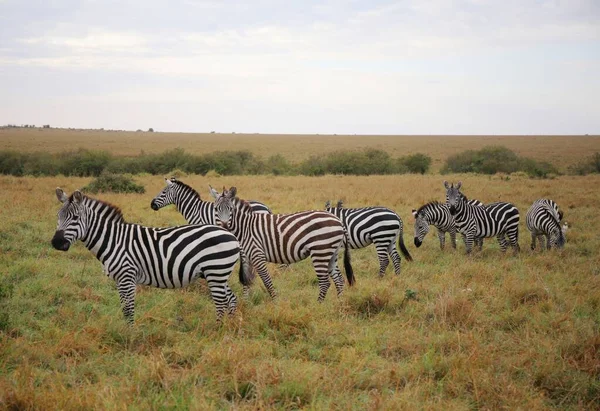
(161, 257)
(543, 220)
(438, 215)
(496, 219)
(373, 225)
(287, 238)
(190, 205)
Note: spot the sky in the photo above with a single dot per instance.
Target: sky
(328, 66)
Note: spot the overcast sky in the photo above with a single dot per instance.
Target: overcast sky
(364, 67)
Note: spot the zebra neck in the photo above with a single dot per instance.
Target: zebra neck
(104, 225)
(191, 209)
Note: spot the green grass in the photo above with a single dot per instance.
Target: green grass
(451, 332)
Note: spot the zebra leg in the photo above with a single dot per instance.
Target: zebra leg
(218, 292)
(126, 289)
(452, 233)
(533, 237)
(542, 241)
(321, 266)
(442, 237)
(395, 257)
(468, 239)
(263, 273)
(231, 299)
(382, 255)
(502, 241)
(513, 238)
(479, 243)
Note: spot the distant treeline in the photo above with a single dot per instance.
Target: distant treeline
(84, 163)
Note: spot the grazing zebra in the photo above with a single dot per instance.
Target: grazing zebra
(543, 219)
(188, 202)
(496, 219)
(438, 215)
(161, 257)
(287, 238)
(373, 225)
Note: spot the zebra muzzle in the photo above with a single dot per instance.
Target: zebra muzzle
(418, 242)
(154, 206)
(59, 241)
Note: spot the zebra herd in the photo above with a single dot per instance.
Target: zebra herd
(230, 229)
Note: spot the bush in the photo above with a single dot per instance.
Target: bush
(416, 163)
(588, 166)
(496, 159)
(114, 183)
(84, 163)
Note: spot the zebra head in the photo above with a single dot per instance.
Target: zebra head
(421, 227)
(166, 196)
(72, 221)
(557, 235)
(453, 196)
(225, 205)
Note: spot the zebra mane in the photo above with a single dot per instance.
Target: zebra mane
(244, 206)
(114, 211)
(187, 188)
(428, 205)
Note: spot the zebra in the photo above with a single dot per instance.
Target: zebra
(287, 238)
(543, 219)
(161, 257)
(190, 205)
(373, 225)
(438, 215)
(498, 219)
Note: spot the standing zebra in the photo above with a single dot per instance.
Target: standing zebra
(543, 219)
(497, 219)
(373, 225)
(287, 238)
(438, 215)
(188, 202)
(162, 257)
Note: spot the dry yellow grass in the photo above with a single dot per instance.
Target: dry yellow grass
(489, 331)
(561, 151)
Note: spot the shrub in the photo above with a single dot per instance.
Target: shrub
(84, 163)
(115, 183)
(496, 159)
(416, 163)
(588, 166)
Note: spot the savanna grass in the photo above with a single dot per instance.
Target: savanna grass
(452, 332)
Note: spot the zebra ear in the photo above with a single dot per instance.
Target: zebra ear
(459, 185)
(77, 196)
(328, 204)
(232, 192)
(340, 204)
(414, 212)
(560, 215)
(62, 197)
(169, 182)
(214, 193)
(446, 185)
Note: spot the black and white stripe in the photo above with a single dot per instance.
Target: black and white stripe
(373, 225)
(439, 216)
(543, 220)
(161, 257)
(190, 205)
(287, 238)
(496, 219)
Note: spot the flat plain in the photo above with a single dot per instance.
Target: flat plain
(561, 151)
(488, 331)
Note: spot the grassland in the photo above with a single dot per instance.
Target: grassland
(561, 151)
(489, 331)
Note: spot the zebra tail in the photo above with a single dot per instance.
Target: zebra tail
(348, 266)
(246, 272)
(403, 248)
